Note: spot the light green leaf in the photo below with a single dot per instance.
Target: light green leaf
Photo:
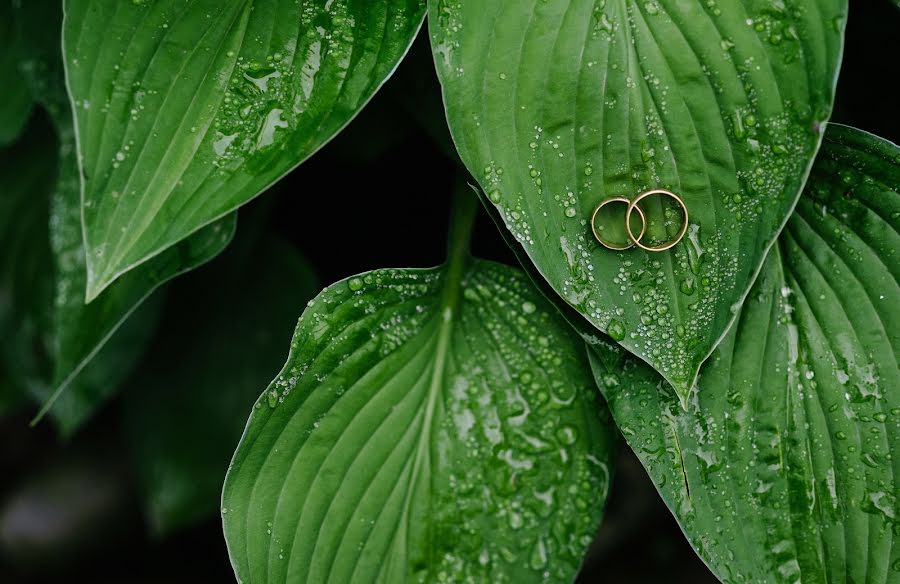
(16, 104)
(222, 339)
(186, 110)
(556, 105)
(784, 467)
(74, 333)
(429, 425)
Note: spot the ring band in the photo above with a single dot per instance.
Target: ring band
(615, 246)
(633, 205)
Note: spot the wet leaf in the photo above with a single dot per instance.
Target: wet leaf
(222, 338)
(429, 425)
(557, 105)
(187, 110)
(784, 466)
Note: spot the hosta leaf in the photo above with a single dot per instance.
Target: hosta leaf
(222, 338)
(16, 105)
(557, 105)
(74, 332)
(784, 467)
(186, 110)
(429, 425)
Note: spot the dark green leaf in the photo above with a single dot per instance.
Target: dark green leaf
(222, 339)
(81, 330)
(73, 333)
(26, 282)
(429, 425)
(16, 104)
(557, 105)
(784, 466)
(187, 110)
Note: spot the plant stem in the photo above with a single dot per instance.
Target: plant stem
(462, 220)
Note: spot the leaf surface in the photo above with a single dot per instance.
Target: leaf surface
(186, 110)
(557, 105)
(429, 425)
(222, 337)
(784, 468)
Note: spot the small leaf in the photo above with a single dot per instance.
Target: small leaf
(557, 105)
(16, 105)
(784, 466)
(187, 110)
(222, 338)
(429, 425)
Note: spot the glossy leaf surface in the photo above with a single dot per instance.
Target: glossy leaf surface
(784, 467)
(187, 110)
(556, 105)
(429, 425)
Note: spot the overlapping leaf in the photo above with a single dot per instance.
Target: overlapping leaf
(784, 467)
(556, 105)
(430, 425)
(186, 110)
(221, 339)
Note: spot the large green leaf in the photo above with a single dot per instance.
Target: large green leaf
(555, 105)
(186, 110)
(222, 339)
(430, 425)
(784, 467)
(16, 105)
(73, 332)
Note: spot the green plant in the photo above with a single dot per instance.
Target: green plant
(460, 423)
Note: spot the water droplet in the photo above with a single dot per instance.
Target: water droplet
(538, 559)
(616, 330)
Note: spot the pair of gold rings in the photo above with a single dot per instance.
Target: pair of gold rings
(635, 240)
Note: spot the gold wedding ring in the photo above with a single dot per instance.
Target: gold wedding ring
(608, 244)
(635, 240)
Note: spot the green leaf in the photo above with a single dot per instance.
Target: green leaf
(784, 466)
(556, 105)
(186, 110)
(222, 339)
(16, 105)
(429, 425)
(72, 333)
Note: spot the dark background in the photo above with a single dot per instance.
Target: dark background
(392, 165)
